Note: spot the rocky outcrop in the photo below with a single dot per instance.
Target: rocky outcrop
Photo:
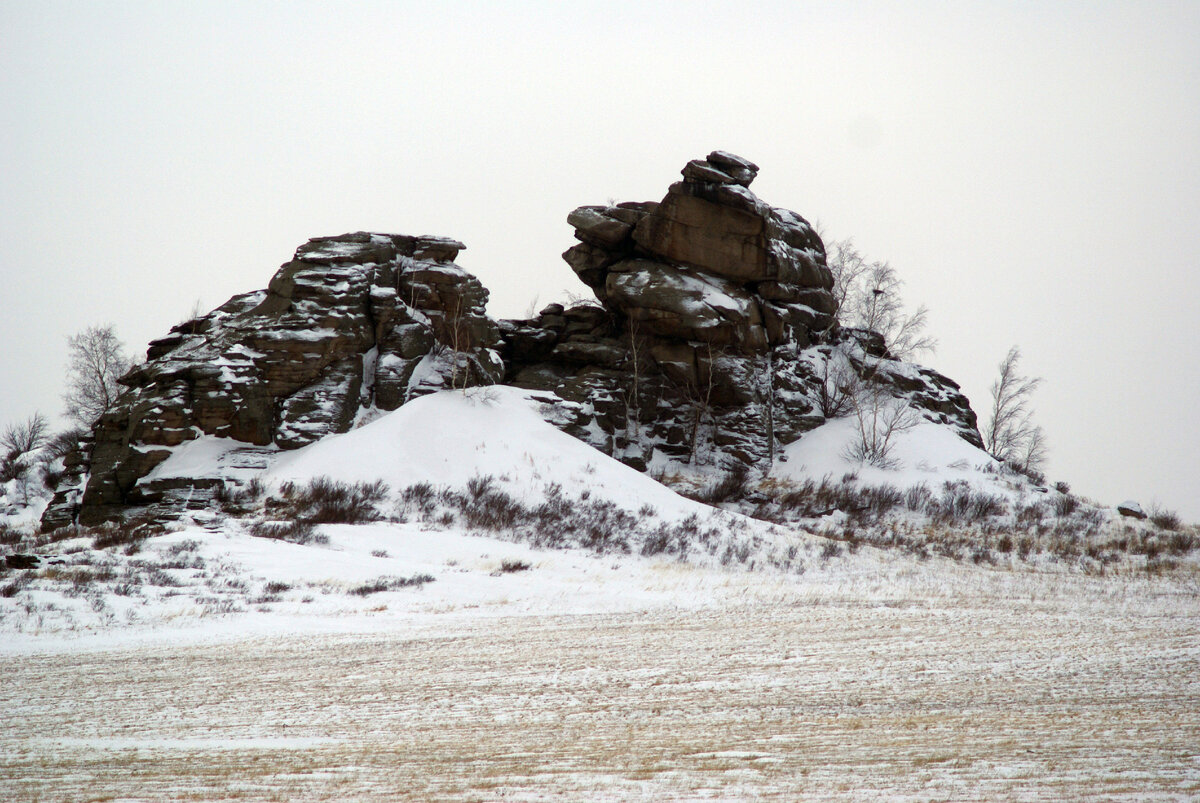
(709, 263)
(351, 322)
(714, 326)
(711, 342)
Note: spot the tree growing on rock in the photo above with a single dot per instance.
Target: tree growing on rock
(835, 381)
(96, 361)
(1010, 434)
(867, 295)
(848, 267)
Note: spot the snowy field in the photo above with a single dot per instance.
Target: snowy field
(414, 659)
(914, 682)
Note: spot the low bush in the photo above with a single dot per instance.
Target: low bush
(1165, 519)
(292, 514)
(235, 499)
(326, 501)
(730, 486)
(918, 498)
(391, 584)
(129, 533)
(1064, 505)
(421, 498)
(294, 531)
(881, 499)
(831, 550)
(962, 504)
(510, 565)
(14, 586)
(487, 508)
(10, 536)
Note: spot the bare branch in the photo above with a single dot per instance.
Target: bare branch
(96, 361)
(867, 295)
(879, 419)
(1010, 428)
(24, 437)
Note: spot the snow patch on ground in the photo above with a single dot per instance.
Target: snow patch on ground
(928, 454)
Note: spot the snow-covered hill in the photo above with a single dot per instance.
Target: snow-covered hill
(504, 578)
(623, 540)
(470, 503)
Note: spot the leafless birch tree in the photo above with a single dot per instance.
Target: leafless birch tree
(1010, 434)
(867, 295)
(97, 360)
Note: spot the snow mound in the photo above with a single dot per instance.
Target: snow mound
(449, 437)
(928, 454)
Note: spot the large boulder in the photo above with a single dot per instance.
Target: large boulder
(653, 261)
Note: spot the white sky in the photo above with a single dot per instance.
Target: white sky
(1032, 170)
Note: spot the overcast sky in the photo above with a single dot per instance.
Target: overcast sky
(1031, 170)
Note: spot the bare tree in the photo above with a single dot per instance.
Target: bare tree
(881, 310)
(698, 395)
(848, 267)
(97, 360)
(1010, 434)
(879, 418)
(18, 444)
(867, 295)
(633, 398)
(836, 381)
(1032, 457)
(26, 436)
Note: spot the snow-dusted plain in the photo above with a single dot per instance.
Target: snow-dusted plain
(422, 661)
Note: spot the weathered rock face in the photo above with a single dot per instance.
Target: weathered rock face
(712, 343)
(716, 324)
(351, 322)
(710, 262)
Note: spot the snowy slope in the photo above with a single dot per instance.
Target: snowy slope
(447, 438)
(215, 576)
(928, 454)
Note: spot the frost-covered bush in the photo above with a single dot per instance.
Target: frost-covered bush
(962, 504)
(293, 531)
(1164, 519)
(236, 500)
(128, 533)
(328, 501)
(730, 486)
(391, 584)
(1064, 505)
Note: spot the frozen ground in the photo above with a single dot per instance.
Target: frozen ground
(432, 661)
(911, 685)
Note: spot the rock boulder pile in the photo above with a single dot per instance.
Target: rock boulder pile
(712, 334)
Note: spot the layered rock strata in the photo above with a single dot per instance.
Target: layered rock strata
(709, 263)
(351, 322)
(712, 333)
